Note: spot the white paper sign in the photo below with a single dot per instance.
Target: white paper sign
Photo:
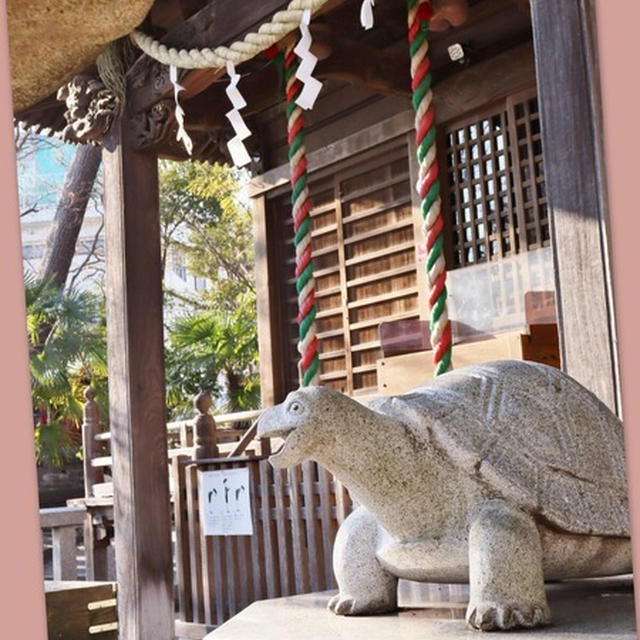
(225, 503)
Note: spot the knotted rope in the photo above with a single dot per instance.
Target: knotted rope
(428, 185)
(282, 23)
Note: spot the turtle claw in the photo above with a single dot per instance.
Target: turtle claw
(341, 606)
(348, 606)
(491, 616)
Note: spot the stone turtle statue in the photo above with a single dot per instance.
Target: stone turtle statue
(501, 475)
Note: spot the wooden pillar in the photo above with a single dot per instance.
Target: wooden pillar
(569, 98)
(137, 391)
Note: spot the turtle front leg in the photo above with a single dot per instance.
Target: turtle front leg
(364, 586)
(505, 570)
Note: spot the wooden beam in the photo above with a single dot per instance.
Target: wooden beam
(381, 73)
(569, 99)
(453, 97)
(219, 22)
(136, 391)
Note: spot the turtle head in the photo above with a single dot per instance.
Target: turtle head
(305, 420)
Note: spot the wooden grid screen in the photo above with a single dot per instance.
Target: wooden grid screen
(494, 197)
(364, 261)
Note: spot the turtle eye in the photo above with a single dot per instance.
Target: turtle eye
(295, 407)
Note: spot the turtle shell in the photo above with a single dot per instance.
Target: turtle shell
(533, 435)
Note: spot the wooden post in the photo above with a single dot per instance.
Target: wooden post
(63, 540)
(569, 98)
(90, 428)
(137, 390)
(205, 442)
(96, 548)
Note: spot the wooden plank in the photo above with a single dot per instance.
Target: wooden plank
(327, 528)
(72, 611)
(231, 601)
(572, 143)
(344, 292)
(95, 551)
(136, 390)
(64, 553)
(243, 563)
(383, 297)
(286, 588)
(301, 569)
(337, 151)
(264, 286)
(541, 344)
(313, 534)
(257, 539)
(378, 231)
(62, 516)
(209, 572)
(193, 527)
(399, 374)
(343, 502)
(181, 519)
(267, 529)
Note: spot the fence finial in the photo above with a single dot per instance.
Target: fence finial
(205, 444)
(90, 428)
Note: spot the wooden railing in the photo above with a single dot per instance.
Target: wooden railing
(63, 524)
(202, 436)
(296, 514)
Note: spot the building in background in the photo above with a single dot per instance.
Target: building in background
(42, 169)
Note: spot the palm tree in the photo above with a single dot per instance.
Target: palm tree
(67, 351)
(216, 351)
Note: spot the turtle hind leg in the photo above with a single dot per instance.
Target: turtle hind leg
(505, 570)
(365, 588)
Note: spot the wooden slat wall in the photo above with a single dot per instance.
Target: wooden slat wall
(296, 514)
(364, 262)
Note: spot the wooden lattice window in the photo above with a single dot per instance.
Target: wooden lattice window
(493, 188)
(364, 260)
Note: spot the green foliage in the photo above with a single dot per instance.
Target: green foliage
(67, 351)
(203, 216)
(215, 346)
(212, 346)
(216, 351)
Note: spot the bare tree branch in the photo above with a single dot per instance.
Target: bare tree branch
(91, 254)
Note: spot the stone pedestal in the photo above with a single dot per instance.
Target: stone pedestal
(581, 610)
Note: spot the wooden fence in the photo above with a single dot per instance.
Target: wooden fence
(295, 513)
(63, 524)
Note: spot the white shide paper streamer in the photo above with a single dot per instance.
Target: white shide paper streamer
(310, 86)
(366, 14)
(238, 151)
(181, 135)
